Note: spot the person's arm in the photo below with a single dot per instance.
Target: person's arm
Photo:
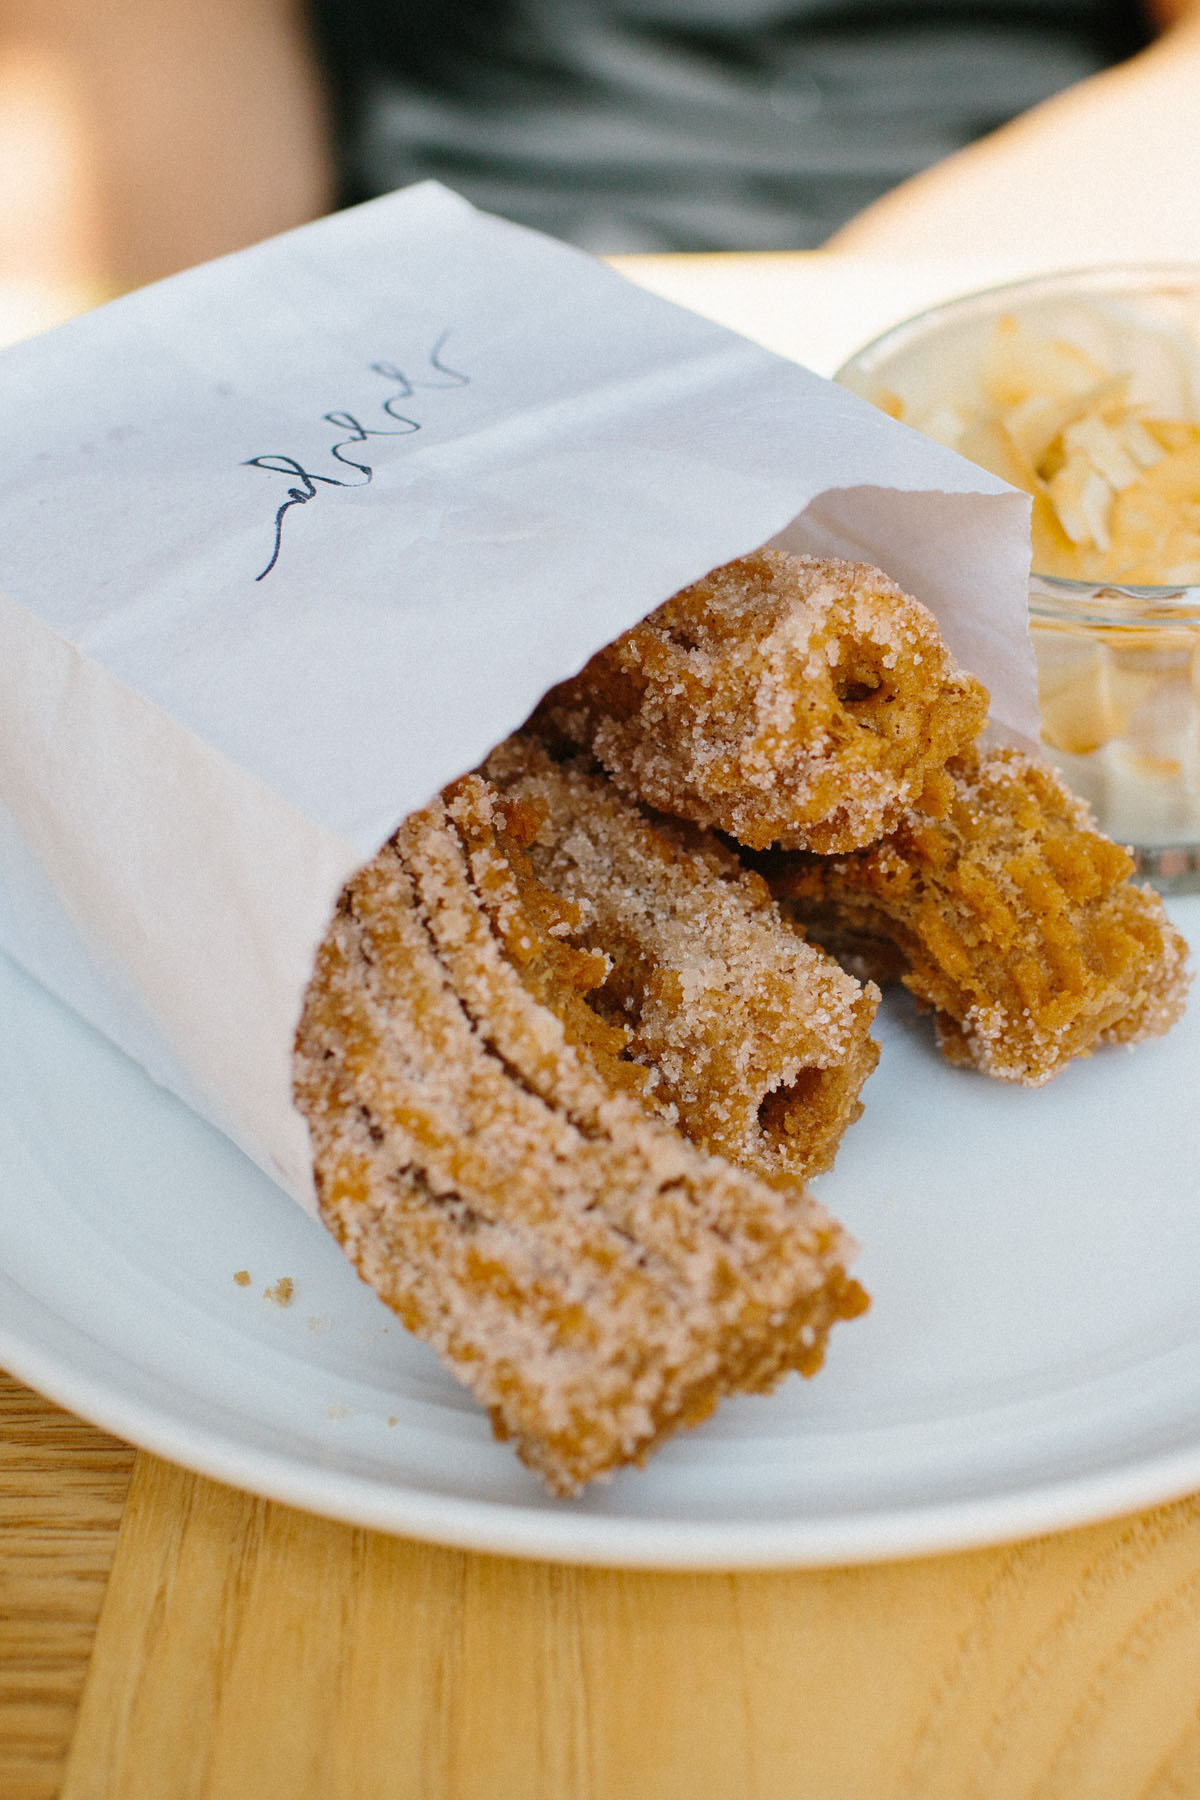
(139, 138)
(1166, 13)
(1108, 170)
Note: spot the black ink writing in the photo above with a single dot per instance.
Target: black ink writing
(301, 495)
(307, 481)
(408, 386)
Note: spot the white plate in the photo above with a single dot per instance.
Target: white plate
(1031, 1359)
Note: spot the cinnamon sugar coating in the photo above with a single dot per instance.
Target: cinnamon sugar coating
(484, 1156)
(1011, 916)
(752, 1038)
(782, 699)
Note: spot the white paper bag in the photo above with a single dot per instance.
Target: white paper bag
(290, 540)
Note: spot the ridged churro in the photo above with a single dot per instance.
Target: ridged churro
(755, 1040)
(483, 1155)
(782, 699)
(1011, 917)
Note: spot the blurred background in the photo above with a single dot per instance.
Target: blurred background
(140, 136)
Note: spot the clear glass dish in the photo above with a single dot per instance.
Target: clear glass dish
(1118, 653)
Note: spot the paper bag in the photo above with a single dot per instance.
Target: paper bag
(290, 540)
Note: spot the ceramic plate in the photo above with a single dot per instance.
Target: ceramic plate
(1031, 1359)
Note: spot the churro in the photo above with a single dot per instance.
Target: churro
(1011, 917)
(755, 1040)
(782, 699)
(484, 1156)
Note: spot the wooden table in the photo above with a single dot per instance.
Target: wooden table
(165, 1638)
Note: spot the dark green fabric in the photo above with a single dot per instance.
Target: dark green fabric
(689, 124)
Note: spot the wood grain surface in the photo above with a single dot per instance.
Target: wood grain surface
(62, 1490)
(249, 1650)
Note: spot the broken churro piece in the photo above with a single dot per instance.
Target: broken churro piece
(782, 699)
(755, 1040)
(595, 1278)
(1011, 917)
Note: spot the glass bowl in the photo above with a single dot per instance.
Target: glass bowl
(1084, 388)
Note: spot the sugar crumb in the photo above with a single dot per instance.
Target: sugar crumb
(242, 1277)
(280, 1291)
